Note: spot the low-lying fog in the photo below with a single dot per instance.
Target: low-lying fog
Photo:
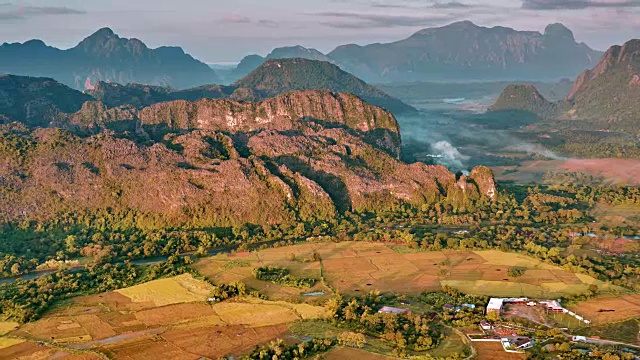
(445, 133)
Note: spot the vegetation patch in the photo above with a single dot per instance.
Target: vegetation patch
(279, 275)
(624, 331)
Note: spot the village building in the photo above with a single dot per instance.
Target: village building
(393, 310)
(495, 306)
(523, 343)
(448, 307)
(553, 306)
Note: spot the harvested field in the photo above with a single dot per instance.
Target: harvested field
(28, 350)
(495, 351)
(7, 326)
(604, 310)
(124, 328)
(179, 314)
(180, 289)
(355, 354)
(6, 342)
(359, 267)
(254, 314)
(214, 342)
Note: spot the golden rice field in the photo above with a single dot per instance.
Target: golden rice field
(168, 316)
(176, 290)
(357, 267)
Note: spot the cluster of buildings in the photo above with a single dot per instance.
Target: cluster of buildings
(517, 344)
(449, 307)
(496, 305)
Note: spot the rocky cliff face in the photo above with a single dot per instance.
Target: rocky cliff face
(281, 113)
(625, 58)
(208, 178)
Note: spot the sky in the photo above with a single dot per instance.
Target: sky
(224, 31)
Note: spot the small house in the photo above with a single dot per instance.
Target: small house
(448, 307)
(579, 339)
(485, 325)
(495, 306)
(393, 310)
(523, 343)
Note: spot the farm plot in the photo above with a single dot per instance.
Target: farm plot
(604, 310)
(357, 267)
(139, 325)
(226, 268)
(180, 289)
(355, 354)
(31, 350)
(495, 351)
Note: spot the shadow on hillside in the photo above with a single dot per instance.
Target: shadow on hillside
(333, 185)
(381, 139)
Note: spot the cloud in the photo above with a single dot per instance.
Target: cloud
(451, 5)
(420, 5)
(577, 4)
(10, 11)
(233, 18)
(363, 21)
(236, 19)
(268, 23)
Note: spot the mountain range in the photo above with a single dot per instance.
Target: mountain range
(606, 97)
(272, 78)
(459, 51)
(301, 156)
(104, 56)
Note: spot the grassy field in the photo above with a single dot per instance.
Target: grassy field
(359, 267)
(452, 344)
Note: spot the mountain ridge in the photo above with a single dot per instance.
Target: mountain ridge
(604, 97)
(105, 56)
(452, 52)
(272, 78)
